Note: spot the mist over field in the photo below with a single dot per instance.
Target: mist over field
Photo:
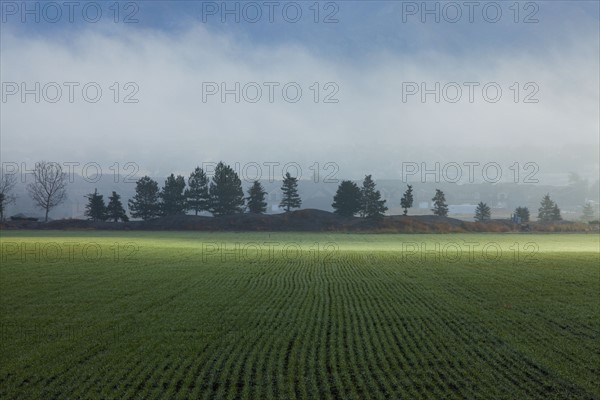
(368, 120)
(337, 90)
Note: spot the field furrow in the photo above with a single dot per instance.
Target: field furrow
(357, 323)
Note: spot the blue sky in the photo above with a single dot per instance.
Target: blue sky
(369, 54)
(361, 25)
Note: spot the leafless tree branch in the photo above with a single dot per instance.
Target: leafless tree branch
(49, 185)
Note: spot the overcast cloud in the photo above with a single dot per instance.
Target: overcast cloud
(369, 129)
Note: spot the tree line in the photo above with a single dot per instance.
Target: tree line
(365, 201)
(223, 195)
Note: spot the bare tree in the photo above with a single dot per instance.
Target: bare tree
(7, 183)
(48, 188)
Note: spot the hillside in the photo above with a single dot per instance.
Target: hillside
(309, 220)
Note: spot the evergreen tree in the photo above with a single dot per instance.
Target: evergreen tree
(548, 211)
(347, 199)
(483, 212)
(523, 214)
(407, 200)
(145, 202)
(556, 213)
(172, 195)
(371, 204)
(226, 194)
(588, 212)
(290, 198)
(115, 210)
(95, 208)
(256, 199)
(197, 195)
(440, 208)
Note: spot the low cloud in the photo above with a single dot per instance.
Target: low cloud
(170, 128)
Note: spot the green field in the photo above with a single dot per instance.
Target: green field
(286, 315)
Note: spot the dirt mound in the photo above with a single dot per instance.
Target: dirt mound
(309, 220)
(302, 220)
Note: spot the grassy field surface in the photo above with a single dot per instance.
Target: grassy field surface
(287, 315)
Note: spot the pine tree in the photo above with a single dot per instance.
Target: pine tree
(145, 203)
(548, 211)
(523, 214)
(440, 208)
(115, 210)
(371, 204)
(95, 208)
(197, 195)
(347, 199)
(256, 199)
(483, 212)
(556, 213)
(290, 198)
(226, 194)
(407, 200)
(587, 212)
(172, 195)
